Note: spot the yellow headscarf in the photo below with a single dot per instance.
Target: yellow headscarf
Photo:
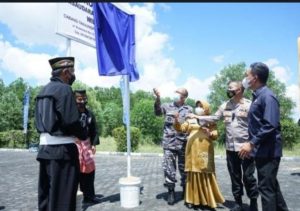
(205, 105)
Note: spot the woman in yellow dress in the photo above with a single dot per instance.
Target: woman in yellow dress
(201, 184)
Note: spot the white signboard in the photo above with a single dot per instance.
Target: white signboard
(76, 21)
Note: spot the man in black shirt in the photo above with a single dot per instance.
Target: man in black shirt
(87, 148)
(265, 142)
(58, 121)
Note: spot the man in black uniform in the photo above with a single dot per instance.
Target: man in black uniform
(87, 175)
(57, 120)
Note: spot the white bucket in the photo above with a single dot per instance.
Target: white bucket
(130, 191)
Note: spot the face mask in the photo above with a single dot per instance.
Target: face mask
(176, 98)
(81, 105)
(245, 83)
(199, 111)
(72, 79)
(230, 93)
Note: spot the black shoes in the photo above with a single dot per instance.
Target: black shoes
(253, 205)
(91, 200)
(171, 196)
(238, 206)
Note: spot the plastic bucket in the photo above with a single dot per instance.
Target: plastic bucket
(130, 191)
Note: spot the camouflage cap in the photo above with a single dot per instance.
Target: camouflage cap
(61, 62)
(182, 91)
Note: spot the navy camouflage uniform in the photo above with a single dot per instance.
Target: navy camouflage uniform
(173, 142)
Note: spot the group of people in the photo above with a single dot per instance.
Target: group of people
(252, 141)
(68, 135)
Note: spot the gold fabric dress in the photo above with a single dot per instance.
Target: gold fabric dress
(201, 183)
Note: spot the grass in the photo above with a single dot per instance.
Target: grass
(108, 145)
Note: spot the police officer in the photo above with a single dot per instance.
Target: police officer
(241, 171)
(57, 120)
(173, 142)
(86, 180)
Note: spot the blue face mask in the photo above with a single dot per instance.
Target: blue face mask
(176, 98)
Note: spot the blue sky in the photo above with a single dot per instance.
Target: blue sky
(178, 44)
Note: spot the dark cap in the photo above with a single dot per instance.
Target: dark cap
(61, 62)
(80, 91)
(182, 91)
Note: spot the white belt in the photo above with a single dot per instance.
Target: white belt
(47, 139)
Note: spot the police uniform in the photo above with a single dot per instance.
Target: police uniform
(241, 172)
(173, 142)
(58, 122)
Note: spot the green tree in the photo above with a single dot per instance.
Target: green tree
(237, 72)
(10, 112)
(112, 118)
(190, 102)
(18, 87)
(2, 87)
(142, 116)
(218, 87)
(108, 95)
(140, 95)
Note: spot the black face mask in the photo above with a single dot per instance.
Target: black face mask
(230, 93)
(72, 79)
(81, 105)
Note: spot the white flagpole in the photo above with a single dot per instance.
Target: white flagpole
(127, 99)
(299, 69)
(68, 47)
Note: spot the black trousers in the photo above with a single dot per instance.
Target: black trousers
(86, 184)
(268, 186)
(241, 172)
(58, 184)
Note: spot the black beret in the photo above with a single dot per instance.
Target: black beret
(80, 91)
(61, 62)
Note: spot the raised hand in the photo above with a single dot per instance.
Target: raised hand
(156, 92)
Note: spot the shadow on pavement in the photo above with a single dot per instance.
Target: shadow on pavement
(2, 207)
(230, 204)
(164, 196)
(85, 206)
(295, 174)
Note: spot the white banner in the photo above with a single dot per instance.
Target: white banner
(76, 21)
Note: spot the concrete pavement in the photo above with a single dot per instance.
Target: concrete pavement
(19, 178)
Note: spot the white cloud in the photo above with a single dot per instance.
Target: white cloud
(198, 89)
(218, 59)
(293, 93)
(283, 74)
(271, 62)
(24, 64)
(90, 77)
(31, 23)
(156, 69)
(164, 6)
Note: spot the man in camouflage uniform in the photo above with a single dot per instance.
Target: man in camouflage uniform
(173, 142)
